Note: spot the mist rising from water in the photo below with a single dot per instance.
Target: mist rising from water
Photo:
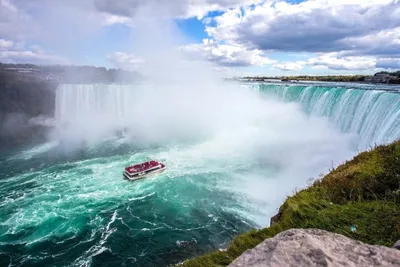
(186, 108)
(228, 151)
(179, 98)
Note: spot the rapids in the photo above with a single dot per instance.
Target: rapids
(232, 155)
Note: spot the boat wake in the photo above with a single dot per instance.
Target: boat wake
(232, 158)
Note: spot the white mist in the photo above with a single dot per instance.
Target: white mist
(203, 122)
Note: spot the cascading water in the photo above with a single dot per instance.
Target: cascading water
(374, 115)
(232, 155)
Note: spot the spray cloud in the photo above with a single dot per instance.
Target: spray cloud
(188, 109)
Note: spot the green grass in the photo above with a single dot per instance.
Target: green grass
(363, 192)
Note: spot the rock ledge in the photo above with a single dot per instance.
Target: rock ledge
(314, 247)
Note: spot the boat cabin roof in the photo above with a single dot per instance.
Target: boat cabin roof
(142, 166)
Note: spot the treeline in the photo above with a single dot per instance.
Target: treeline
(393, 78)
(328, 78)
(70, 74)
(396, 73)
(341, 78)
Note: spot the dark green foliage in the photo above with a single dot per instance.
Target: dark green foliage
(362, 193)
(66, 74)
(395, 73)
(329, 78)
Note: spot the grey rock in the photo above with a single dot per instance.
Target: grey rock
(397, 245)
(314, 247)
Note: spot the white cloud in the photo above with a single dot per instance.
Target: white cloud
(384, 43)
(333, 62)
(233, 55)
(5, 44)
(167, 8)
(290, 66)
(125, 60)
(30, 56)
(37, 49)
(388, 63)
(14, 23)
(310, 26)
(8, 5)
(59, 23)
(330, 61)
(12, 52)
(114, 19)
(344, 34)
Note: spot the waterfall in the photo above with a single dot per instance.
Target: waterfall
(373, 115)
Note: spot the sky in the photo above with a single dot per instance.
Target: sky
(242, 37)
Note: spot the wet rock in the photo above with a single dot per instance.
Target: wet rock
(314, 247)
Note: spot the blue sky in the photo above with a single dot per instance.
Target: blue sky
(259, 37)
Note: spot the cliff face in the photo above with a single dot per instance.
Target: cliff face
(25, 103)
(314, 247)
(360, 200)
(27, 96)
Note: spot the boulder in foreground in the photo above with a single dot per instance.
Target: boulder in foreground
(314, 247)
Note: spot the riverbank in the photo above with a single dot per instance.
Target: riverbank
(377, 78)
(359, 199)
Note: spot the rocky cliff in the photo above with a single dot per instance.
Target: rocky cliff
(25, 104)
(314, 247)
(27, 96)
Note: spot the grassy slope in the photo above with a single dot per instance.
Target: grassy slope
(364, 192)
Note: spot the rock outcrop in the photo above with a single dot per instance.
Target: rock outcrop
(314, 247)
(24, 101)
(397, 245)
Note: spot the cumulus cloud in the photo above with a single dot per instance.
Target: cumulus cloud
(5, 44)
(229, 55)
(56, 23)
(7, 11)
(340, 34)
(311, 26)
(382, 44)
(388, 63)
(344, 63)
(114, 19)
(14, 22)
(167, 8)
(290, 66)
(125, 60)
(333, 62)
(11, 52)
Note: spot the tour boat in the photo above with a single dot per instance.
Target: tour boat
(141, 170)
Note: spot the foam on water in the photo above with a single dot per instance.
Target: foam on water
(232, 157)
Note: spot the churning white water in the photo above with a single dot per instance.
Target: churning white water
(226, 128)
(232, 156)
(373, 115)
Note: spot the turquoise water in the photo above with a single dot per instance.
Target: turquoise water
(373, 114)
(232, 155)
(80, 211)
